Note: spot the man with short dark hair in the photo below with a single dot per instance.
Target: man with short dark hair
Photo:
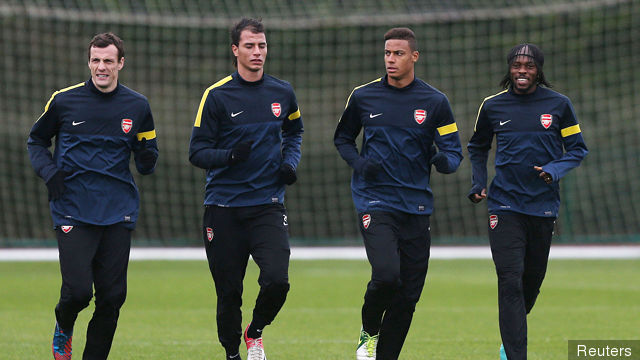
(402, 117)
(93, 198)
(247, 135)
(532, 124)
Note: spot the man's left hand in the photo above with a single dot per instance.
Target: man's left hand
(544, 175)
(288, 174)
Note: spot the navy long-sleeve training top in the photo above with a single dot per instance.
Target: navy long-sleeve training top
(530, 130)
(233, 111)
(95, 135)
(400, 126)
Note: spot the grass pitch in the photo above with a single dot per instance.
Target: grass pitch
(170, 310)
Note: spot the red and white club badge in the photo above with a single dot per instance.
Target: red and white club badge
(209, 234)
(366, 220)
(66, 228)
(127, 124)
(493, 221)
(420, 115)
(546, 120)
(276, 109)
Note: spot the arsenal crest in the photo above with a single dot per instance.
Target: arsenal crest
(66, 228)
(366, 220)
(493, 221)
(209, 234)
(420, 115)
(276, 109)
(127, 124)
(546, 120)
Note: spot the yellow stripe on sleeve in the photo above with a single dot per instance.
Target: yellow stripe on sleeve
(447, 129)
(46, 107)
(480, 108)
(358, 87)
(146, 135)
(295, 115)
(204, 98)
(571, 130)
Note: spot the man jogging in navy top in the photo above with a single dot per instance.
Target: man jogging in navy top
(532, 124)
(247, 135)
(402, 117)
(93, 198)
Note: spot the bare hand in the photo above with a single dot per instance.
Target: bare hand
(544, 175)
(476, 198)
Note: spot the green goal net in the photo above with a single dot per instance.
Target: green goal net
(175, 49)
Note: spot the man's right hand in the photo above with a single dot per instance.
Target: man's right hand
(476, 198)
(240, 152)
(55, 185)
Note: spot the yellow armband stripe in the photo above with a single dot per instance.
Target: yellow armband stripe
(447, 129)
(295, 115)
(571, 130)
(146, 135)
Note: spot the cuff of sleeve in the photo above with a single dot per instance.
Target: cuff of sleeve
(551, 171)
(476, 189)
(224, 157)
(358, 165)
(48, 172)
(439, 160)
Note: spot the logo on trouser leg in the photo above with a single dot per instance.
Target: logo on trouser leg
(66, 228)
(209, 234)
(493, 221)
(285, 221)
(366, 220)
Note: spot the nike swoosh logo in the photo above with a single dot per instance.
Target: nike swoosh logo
(371, 116)
(504, 122)
(236, 114)
(77, 123)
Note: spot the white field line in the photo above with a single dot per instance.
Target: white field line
(341, 253)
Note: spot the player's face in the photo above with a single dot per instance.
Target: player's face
(251, 51)
(104, 66)
(524, 75)
(399, 61)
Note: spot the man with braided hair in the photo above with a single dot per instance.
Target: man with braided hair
(538, 141)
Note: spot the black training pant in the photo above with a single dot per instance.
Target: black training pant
(93, 257)
(397, 246)
(231, 234)
(520, 247)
